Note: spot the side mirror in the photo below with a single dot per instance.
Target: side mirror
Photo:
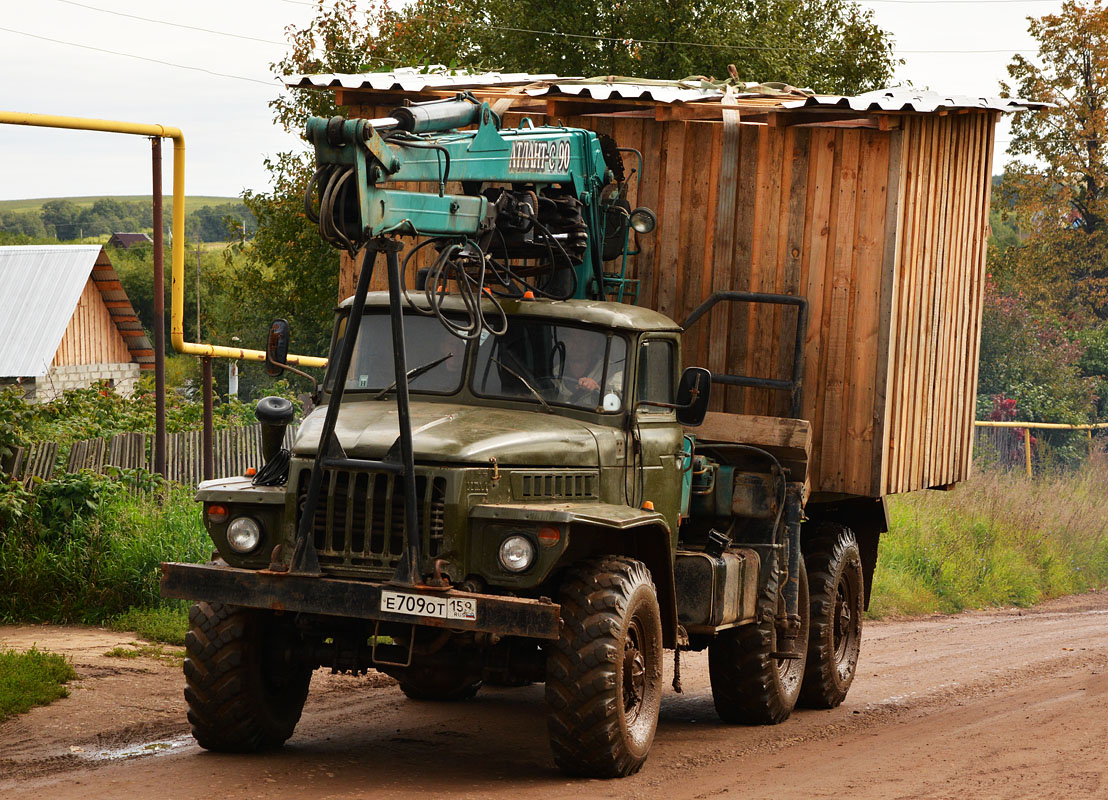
(277, 347)
(693, 393)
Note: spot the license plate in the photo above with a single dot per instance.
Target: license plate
(418, 605)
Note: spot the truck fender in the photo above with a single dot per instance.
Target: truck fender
(867, 517)
(648, 543)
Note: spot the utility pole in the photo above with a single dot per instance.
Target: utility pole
(198, 291)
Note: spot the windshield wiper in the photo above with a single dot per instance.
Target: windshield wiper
(523, 380)
(413, 373)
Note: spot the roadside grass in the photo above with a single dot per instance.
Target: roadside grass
(166, 623)
(97, 565)
(146, 650)
(31, 678)
(999, 539)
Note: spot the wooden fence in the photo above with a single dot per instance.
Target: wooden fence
(235, 450)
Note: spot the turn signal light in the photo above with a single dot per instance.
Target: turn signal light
(217, 514)
(548, 537)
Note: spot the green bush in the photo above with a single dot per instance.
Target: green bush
(32, 678)
(96, 564)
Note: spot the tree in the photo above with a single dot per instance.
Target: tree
(1068, 142)
(827, 45)
(60, 218)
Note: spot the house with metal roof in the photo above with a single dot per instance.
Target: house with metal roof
(125, 241)
(66, 322)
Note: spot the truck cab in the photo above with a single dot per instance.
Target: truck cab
(571, 529)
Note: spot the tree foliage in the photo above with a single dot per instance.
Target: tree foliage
(1043, 339)
(1067, 142)
(827, 45)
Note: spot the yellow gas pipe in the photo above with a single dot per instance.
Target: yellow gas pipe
(177, 298)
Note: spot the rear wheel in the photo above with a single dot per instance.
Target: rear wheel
(245, 686)
(837, 597)
(749, 685)
(604, 674)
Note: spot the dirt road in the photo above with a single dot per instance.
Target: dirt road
(998, 704)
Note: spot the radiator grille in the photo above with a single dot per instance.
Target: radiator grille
(554, 484)
(360, 519)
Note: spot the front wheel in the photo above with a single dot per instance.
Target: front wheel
(749, 685)
(836, 585)
(604, 674)
(244, 684)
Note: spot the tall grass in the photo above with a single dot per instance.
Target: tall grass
(998, 539)
(98, 565)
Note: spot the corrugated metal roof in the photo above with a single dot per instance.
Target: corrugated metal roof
(658, 92)
(914, 100)
(40, 286)
(415, 80)
(39, 290)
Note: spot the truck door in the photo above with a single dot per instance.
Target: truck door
(656, 430)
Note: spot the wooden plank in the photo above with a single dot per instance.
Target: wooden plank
(742, 263)
(979, 269)
(960, 260)
(726, 160)
(823, 182)
(794, 227)
(670, 212)
(903, 371)
(934, 401)
(698, 269)
(762, 349)
(793, 436)
(838, 317)
(861, 387)
(894, 200)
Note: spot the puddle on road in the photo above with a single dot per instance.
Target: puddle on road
(155, 748)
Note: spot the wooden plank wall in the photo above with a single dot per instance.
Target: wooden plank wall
(882, 230)
(940, 271)
(91, 336)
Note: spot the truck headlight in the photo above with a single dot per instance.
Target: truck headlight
(244, 534)
(516, 553)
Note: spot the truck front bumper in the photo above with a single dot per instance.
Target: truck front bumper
(340, 597)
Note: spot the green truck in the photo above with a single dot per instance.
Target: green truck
(575, 518)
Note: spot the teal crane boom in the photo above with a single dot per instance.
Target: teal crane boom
(533, 200)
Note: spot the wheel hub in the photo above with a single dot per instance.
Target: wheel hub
(843, 619)
(634, 674)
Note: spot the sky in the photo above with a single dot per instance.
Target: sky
(90, 59)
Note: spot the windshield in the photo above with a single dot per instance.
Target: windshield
(565, 365)
(426, 341)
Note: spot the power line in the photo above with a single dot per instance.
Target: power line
(171, 24)
(140, 58)
(206, 30)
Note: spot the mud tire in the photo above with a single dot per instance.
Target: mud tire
(604, 674)
(836, 586)
(749, 685)
(244, 689)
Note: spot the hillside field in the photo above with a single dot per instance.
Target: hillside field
(35, 203)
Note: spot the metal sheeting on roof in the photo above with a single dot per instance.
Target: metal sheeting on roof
(913, 100)
(415, 80)
(39, 290)
(40, 286)
(658, 92)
